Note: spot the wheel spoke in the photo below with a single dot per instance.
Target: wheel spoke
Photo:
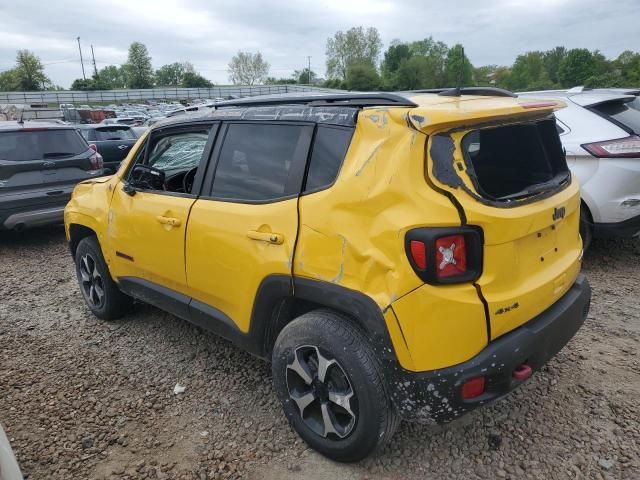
(342, 400)
(84, 274)
(303, 401)
(95, 272)
(323, 366)
(85, 263)
(92, 292)
(329, 421)
(99, 291)
(301, 368)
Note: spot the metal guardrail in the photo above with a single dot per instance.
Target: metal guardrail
(118, 96)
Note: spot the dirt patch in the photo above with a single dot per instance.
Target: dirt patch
(81, 398)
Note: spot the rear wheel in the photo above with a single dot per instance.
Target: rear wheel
(100, 292)
(331, 386)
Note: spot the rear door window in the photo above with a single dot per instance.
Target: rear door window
(621, 113)
(261, 162)
(329, 149)
(25, 145)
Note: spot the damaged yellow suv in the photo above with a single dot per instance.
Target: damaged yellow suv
(412, 255)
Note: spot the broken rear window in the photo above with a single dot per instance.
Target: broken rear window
(515, 161)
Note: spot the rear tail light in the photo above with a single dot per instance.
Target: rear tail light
(620, 148)
(419, 253)
(443, 255)
(451, 256)
(97, 163)
(473, 388)
(93, 147)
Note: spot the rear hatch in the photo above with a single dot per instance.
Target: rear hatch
(41, 166)
(500, 161)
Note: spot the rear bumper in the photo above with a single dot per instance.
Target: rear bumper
(33, 218)
(625, 229)
(437, 395)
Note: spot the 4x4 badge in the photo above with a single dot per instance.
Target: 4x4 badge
(558, 213)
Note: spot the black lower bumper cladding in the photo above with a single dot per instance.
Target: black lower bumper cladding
(436, 395)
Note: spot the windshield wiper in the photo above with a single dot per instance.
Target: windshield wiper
(535, 189)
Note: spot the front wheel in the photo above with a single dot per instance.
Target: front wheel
(100, 292)
(331, 386)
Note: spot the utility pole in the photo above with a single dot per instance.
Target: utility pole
(81, 62)
(309, 69)
(95, 69)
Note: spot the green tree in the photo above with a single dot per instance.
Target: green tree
(139, 72)
(628, 67)
(578, 65)
(528, 73)
(304, 76)
(9, 81)
(280, 81)
(393, 57)
(248, 68)
(29, 72)
(362, 77)
(172, 75)
(356, 46)
(484, 76)
(112, 77)
(552, 60)
(195, 80)
(458, 68)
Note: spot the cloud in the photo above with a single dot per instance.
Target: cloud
(209, 33)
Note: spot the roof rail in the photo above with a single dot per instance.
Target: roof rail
(456, 92)
(329, 99)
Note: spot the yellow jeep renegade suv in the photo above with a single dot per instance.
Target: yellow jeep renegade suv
(409, 255)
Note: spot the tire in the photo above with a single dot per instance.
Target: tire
(586, 227)
(94, 277)
(361, 417)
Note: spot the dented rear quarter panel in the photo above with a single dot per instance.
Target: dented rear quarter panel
(353, 234)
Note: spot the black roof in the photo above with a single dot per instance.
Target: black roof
(352, 99)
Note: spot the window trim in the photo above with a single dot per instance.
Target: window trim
(297, 171)
(303, 191)
(204, 160)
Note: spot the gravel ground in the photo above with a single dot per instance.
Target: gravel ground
(81, 398)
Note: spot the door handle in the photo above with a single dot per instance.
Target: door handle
(48, 164)
(275, 238)
(174, 222)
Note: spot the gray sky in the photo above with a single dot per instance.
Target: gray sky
(209, 33)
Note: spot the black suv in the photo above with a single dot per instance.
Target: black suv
(113, 142)
(40, 164)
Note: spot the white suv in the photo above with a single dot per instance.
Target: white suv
(600, 133)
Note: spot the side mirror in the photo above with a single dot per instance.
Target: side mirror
(146, 178)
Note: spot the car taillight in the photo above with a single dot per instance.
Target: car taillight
(619, 148)
(93, 147)
(443, 255)
(97, 162)
(419, 253)
(451, 256)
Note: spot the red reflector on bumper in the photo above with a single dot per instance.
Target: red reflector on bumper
(473, 388)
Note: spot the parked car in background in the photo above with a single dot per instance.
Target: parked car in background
(113, 142)
(40, 164)
(122, 121)
(139, 131)
(600, 132)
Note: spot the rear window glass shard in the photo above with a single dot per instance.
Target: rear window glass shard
(25, 145)
(515, 161)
